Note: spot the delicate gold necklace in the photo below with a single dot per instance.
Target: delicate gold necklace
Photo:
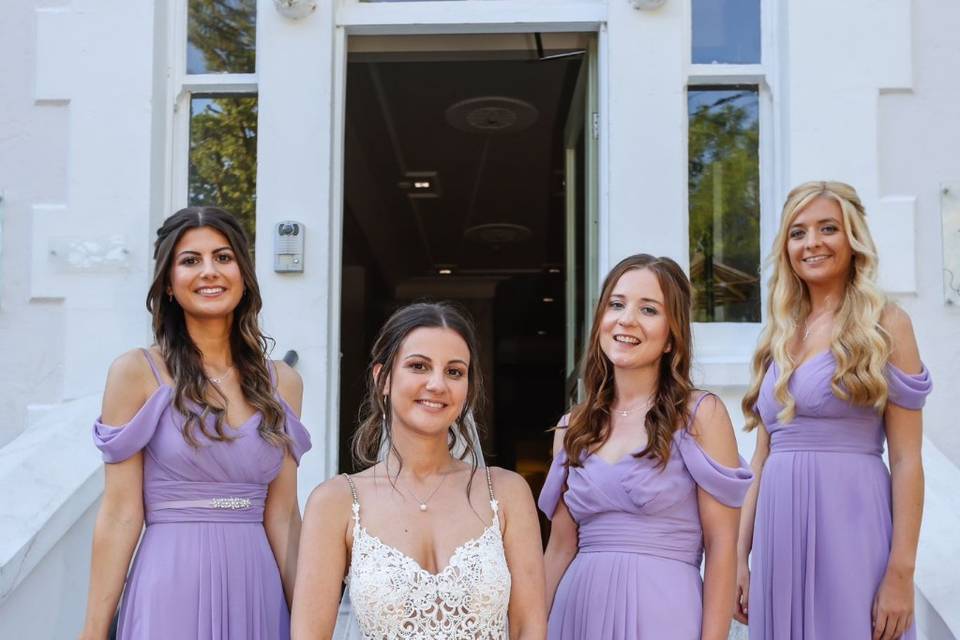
(808, 326)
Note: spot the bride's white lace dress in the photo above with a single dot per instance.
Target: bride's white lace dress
(394, 597)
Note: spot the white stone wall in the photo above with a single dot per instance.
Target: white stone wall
(49, 604)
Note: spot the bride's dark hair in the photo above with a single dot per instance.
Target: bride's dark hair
(375, 409)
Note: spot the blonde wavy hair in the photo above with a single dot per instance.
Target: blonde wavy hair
(859, 344)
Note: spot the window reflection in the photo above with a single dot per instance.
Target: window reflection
(223, 155)
(726, 31)
(221, 36)
(724, 193)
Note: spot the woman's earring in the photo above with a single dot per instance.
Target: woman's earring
(170, 297)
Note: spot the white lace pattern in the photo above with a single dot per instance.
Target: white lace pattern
(394, 597)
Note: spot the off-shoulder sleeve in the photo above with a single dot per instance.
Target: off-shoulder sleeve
(907, 390)
(297, 432)
(727, 484)
(553, 486)
(120, 443)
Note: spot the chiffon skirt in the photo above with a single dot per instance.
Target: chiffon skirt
(820, 547)
(204, 580)
(627, 596)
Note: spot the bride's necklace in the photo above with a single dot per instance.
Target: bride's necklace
(423, 503)
(623, 413)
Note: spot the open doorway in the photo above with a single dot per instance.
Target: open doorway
(464, 180)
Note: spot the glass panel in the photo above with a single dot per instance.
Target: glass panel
(726, 31)
(724, 191)
(221, 36)
(223, 155)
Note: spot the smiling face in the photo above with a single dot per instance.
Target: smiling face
(429, 382)
(817, 244)
(634, 328)
(204, 276)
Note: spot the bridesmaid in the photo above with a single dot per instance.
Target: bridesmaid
(837, 371)
(201, 439)
(645, 477)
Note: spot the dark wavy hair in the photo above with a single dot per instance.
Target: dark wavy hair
(589, 425)
(248, 345)
(375, 409)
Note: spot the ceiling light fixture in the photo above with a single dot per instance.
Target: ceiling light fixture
(445, 271)
(548, 300)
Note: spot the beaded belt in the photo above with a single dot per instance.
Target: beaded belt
(209, 503)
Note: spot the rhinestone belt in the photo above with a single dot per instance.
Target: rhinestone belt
(208, 503)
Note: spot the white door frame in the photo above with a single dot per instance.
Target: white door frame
(430, 18)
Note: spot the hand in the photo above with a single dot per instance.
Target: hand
(743, 592)
(893, 605)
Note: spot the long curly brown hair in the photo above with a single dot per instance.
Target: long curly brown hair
(589, 425)
(249, 347)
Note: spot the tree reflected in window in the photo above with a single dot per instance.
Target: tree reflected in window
(223, 155)
(221, 36)
(724, 195)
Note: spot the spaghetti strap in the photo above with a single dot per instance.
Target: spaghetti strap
(356, 500)
(696, 406)
(272, 369)
(493, 498)
(153, 366)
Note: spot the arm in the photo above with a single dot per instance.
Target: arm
(564, 539)
(521, 544)
(281, 513)
(281, 521)
(322, 564)
(714, 432)
(120, 518)
(748, 515)
(893, 605)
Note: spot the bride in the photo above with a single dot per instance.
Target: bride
(431, 543)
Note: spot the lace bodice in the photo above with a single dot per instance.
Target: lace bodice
(394, 597)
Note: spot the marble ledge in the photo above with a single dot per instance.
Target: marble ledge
(49, 476)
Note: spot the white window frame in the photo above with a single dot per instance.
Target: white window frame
(723, 348)
(182, 87)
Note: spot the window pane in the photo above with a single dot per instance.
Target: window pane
(726, 31)
(724, 185)
(223, 156)
(221, 36)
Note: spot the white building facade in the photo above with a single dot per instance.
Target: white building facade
(100, 106)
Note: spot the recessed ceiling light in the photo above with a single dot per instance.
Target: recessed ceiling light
(445, 271)
(553, 270)
(421, 184)
(541, 332)
(549, 299)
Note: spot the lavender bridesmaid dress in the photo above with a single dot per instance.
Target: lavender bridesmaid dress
(204, 569)
(823, 525)
(636, 575)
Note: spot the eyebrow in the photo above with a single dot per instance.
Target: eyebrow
(820, 221)
(197, 253)
(620, 295)
(420, 355)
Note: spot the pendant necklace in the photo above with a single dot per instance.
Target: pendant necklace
(422, 504)
(223, 376)
(623, 413)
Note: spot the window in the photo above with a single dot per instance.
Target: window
(215, 119)
(727, 96)
(726, 31)
(724, 203)
(223, 155)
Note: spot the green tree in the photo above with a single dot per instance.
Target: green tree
(223, 156)
(724, 199)
(221, 36)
